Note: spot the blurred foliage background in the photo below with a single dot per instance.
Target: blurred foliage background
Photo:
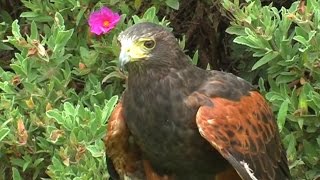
(59, 82)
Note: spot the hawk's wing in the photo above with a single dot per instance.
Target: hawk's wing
(124, 154)
(125, 157)
(245, 133)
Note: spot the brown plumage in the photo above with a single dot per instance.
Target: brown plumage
(176, 121)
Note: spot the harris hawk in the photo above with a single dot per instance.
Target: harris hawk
(176, 121)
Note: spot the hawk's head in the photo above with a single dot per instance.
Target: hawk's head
(147, 42)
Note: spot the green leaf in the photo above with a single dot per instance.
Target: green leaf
(42, 19)
(303, 104)
(150, 14)
(301, 40)
(174, 4)
(195, 58)
(265, 59)
(18, 70)
(316, 99)
(137, 4)
(26, 164)
(29, 14)
(80, 15)
(6, 17)
(261, 85)
(296, 163)
(114, 74)
(282, 114)
(108, 108)
(6, 87)
(55, 114)
(17, 162)
(16, 29)
(236, 30)
(113, 2)
(37, 162)
(300, 122)
(57, 163)
(69, 123)
(63, 37)
(286, 77)
(88, 57)
(247, 41)
(310, 150)
(4, 132)
(182, 42)
(318, 140)
(5, 47)
(69, 109)
(136, 19)
(59, 19)
(34, 31)
(16, 174)
(290, 142)
(97, 149)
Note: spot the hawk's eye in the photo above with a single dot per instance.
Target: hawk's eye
(149, 44)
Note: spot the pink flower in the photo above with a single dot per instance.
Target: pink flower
(103, 20)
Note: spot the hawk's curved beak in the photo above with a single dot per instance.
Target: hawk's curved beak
(124, 58)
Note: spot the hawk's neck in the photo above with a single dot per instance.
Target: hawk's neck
(142, 75)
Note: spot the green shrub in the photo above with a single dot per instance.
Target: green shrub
(285, 44)
(59, 89)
